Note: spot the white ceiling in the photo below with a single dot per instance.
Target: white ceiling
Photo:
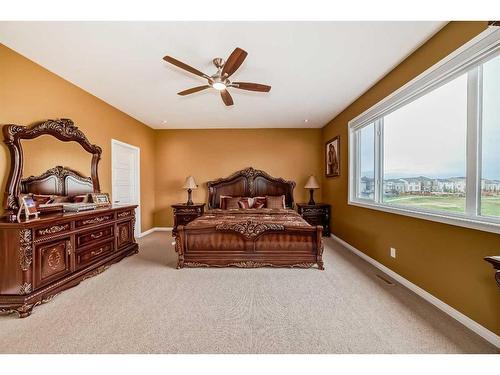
(316, 69)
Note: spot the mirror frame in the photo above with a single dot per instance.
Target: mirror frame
(62, 129)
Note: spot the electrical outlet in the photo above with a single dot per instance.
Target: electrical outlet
(393, 252)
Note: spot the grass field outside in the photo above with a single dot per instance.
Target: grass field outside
(490, 205)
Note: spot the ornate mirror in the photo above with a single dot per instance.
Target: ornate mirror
(56, 179)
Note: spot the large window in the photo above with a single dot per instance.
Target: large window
(432, 149)
(425, 150)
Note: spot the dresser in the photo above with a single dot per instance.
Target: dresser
(183, 214)
(41, 257)
(317, 214)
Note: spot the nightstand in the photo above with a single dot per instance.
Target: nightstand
(317, 214)
(184, 213)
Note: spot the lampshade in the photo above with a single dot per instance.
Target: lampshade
(190, 183)
(311, 183)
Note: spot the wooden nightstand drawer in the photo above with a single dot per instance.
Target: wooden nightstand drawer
(317, 214)
(184, 219)
(184, 214)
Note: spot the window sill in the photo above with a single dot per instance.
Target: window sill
(461, 221)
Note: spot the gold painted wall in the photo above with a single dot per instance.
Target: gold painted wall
(293, 154)
(445, 260)
(30, 93)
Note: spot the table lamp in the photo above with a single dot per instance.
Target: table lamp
(311, 184)
(190, 184)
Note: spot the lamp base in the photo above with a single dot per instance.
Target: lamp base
(311, 198)
(189, 202)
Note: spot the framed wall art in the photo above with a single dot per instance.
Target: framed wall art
(332, 157)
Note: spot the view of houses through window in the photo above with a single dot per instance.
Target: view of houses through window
(490, 182)
(424, 148)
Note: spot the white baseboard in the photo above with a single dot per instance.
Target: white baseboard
(154, 229)
(465, 320)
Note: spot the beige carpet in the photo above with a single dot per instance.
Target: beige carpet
(145, 305)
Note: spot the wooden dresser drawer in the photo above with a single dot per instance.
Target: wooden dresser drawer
(94, 220)
(52, 230)
(96, 235)
(124, 214)
(87, 256)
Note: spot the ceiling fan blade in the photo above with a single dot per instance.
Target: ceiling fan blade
(251, 86)
(234, 61)
(226, 97)
(181, 65)
(193, 90)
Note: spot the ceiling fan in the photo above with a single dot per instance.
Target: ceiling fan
(220, 80)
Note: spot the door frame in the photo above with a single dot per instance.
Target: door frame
(137, 165)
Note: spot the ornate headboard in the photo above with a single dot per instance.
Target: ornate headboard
(57, 181)
(249, 182)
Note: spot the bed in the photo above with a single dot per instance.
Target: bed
(249, 238)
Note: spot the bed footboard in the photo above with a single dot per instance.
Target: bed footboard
(249, 245)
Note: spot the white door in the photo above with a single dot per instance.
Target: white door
(125, 174)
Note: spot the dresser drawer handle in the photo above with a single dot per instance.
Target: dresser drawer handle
(96, 235)
(97, 252)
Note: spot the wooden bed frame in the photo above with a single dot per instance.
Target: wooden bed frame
(301, 246)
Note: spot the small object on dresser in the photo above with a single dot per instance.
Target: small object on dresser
(184, 214)
(100, 199)
(317, 214)
(190, 184)
(311, 184)
(78, 207)
(28, 205)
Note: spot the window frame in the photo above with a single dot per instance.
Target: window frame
(465, 60)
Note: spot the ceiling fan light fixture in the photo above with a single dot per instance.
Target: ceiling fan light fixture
(219, 86)
(220, 80)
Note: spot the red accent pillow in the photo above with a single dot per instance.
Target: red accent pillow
(245, 203)
(259, 202)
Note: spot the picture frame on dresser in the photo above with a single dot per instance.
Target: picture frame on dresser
(101, 199)
(27, 206)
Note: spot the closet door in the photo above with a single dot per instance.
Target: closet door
(125, 170)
